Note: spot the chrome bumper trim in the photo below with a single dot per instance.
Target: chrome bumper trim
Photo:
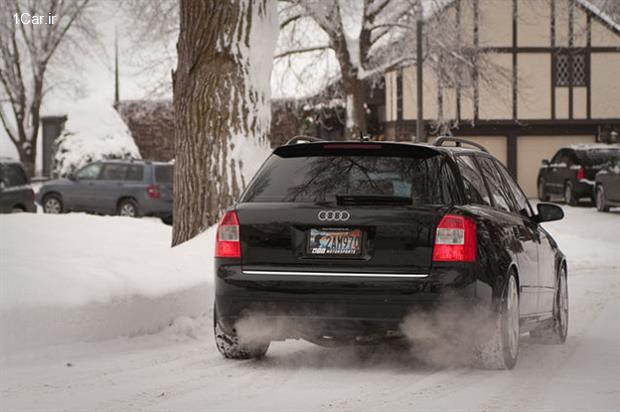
(335, 274)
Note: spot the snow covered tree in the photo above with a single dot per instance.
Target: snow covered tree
(370, 37)
(93, 131)
(27, 50)
(221, 90)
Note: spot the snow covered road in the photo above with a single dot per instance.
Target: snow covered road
(178, 368)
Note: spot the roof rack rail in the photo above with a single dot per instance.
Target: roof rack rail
(303, 139)
(440, 140)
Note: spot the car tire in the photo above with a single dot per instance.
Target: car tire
(542, 192)
(501, 350)
(601, 199)
(231, 347)
(128, 208)
(569, 194)
(167, 220)
(52, 204)
(555, 331)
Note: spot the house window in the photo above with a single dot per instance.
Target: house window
(399, 96)
(567, 62)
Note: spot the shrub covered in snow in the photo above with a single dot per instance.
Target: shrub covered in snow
(93, 131)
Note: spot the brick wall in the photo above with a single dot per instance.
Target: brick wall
(151, 123)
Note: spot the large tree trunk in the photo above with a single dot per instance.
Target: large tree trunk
(221, 102)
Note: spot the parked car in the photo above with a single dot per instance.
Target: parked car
(126, 188)
(342, 241)
(607, 186)
(570, 173)
(16, 195)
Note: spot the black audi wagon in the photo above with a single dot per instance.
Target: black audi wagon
(338, 242)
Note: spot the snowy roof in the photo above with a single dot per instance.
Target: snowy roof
(594, 146)
(606, 18)
(586, 4)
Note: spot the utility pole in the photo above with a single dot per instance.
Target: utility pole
(116, 83)
(420, 137)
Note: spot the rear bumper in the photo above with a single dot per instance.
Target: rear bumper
(339, 305)
(584, 188)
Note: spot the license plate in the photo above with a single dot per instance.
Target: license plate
(335, 242)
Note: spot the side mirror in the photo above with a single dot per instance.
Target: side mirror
(548, 212)
(545, 162)
(71, 176)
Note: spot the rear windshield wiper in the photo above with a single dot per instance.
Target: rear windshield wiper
(350, 200)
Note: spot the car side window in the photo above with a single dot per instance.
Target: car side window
(475, 190)
(15, 176)
(499, 191)
(89, 172)
(113, 171)
(571, 158)
(565, 158)
(135, 172)
(522, 205)
(558, 157)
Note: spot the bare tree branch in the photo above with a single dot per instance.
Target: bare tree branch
(300, 50)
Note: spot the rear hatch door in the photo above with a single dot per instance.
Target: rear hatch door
(347, 208)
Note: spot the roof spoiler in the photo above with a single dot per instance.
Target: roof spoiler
(303, 139)
(459, 142)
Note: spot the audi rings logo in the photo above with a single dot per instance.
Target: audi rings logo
(334, 215)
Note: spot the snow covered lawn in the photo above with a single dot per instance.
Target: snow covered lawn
(85, 304)
(85, 277)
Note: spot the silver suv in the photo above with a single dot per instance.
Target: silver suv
(126, 188)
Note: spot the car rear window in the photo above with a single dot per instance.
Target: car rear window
(312, 179)
(164, 174)
(600, 156)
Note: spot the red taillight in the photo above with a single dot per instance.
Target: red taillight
(153, 192)
(227, 243)
(455, 240)
(581, 173)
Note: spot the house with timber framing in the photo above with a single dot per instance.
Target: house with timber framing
(562, 59)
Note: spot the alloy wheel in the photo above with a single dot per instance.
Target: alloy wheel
(512, 317)
(600, 199)
(563, 303)
(52, 205)
(128, 210)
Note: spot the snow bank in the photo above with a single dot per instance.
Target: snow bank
(93, 131)
(78, 276)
